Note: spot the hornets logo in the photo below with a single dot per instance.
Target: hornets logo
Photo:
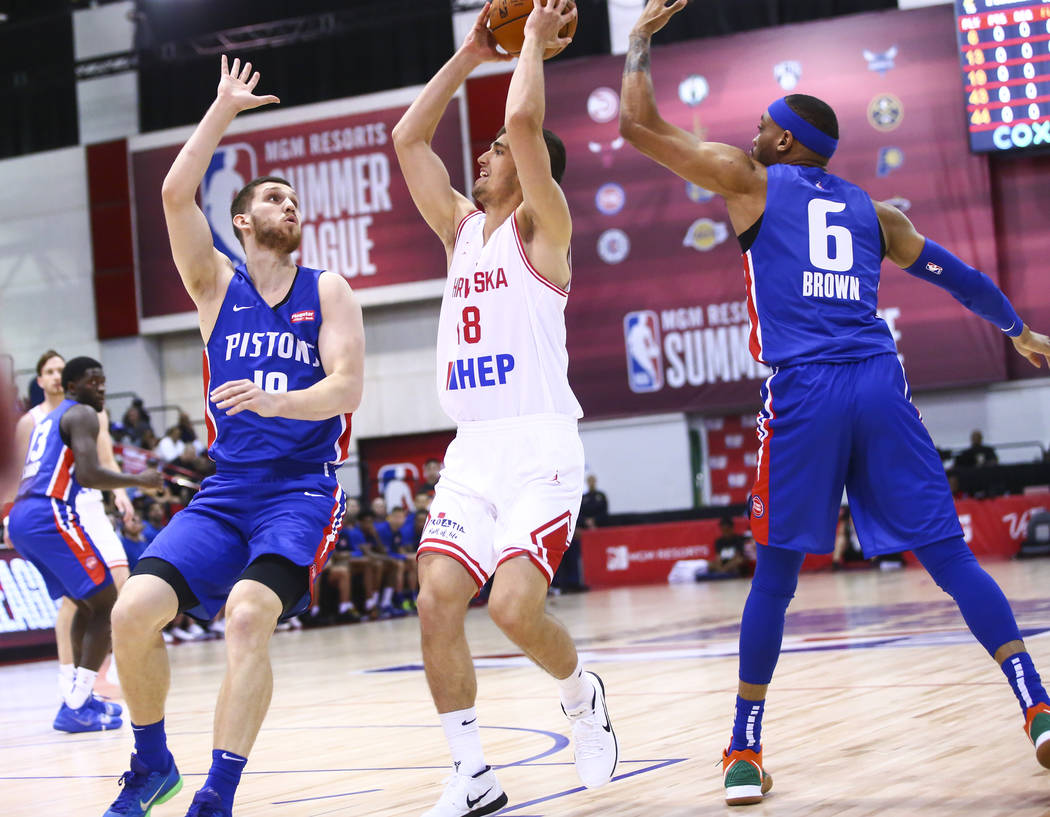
(885, 112)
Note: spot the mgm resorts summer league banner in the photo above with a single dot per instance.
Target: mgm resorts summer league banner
(357, 216)
(657, 318)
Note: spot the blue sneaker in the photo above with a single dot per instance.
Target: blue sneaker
(85, 719)
(143, 789)
(207, 803)
(104, 706)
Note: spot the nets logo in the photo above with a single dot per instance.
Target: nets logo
(645, 363)
(232, 167)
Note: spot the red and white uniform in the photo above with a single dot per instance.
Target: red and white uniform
(513, 477)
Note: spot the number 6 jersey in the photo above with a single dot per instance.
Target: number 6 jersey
(501, 337)
(812, 263)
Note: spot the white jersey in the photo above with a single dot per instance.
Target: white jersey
(501, 338)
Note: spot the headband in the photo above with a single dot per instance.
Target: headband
(808, 135)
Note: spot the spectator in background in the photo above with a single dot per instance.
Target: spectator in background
(431, 473)
(978, 454)
(188, 434)
(422, 501)
(135, 424)
(393, 567)
(133, 537)
(379, 509)
(409, 539)
(419, 521)
(156, 519)
(399, 525)
(171, 445)
(729, 556)
(594, 508)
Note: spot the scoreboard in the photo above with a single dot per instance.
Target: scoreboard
(1004, 48)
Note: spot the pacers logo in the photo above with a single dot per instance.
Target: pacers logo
(232, 166)
(641, 333)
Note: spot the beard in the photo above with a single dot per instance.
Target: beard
(279, 237)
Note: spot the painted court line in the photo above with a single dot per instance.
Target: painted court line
(322, 797)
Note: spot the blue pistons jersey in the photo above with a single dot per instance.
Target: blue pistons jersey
(813, 271)
(49, 469)
(276, 347)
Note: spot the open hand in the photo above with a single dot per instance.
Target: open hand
(237, 86)
(1033, 347)
(241, 395)
(656, 14)
(545, 21)
(480, 43)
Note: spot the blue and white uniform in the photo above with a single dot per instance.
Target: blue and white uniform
(837, 408)
(44, 525)
(274, 490)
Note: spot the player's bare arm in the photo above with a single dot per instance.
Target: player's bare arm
(905, 246)
(543, 217)
(19, 449)
(720, 168)
(108, 460)
(80, 427)
(441, 206)
(341, 348)
(204, 270)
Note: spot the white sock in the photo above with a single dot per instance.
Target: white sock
(66, 673)
(111, 674)
(576, 690)
(373, 600)
(464, 740)
(78, 694)
(388, 597)
(344, 606)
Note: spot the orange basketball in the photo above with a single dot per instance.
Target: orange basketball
(507, 24)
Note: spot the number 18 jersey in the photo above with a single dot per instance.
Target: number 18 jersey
(501, 336)
(813, 271)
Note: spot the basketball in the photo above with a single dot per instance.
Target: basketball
(507, 24)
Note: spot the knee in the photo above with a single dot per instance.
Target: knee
(136, 615)
(250, 623)
(439, 608)
(512, 613)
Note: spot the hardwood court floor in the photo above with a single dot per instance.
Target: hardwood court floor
(882, 705)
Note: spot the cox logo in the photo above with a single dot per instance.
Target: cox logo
(1022, 135)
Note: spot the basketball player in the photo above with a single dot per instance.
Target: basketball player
(89, 508)
(837, 388)
(45, 527)
(284, 357)
(508, 497)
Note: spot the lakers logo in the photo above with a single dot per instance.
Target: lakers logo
(885, 112)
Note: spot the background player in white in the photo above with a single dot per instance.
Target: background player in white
(510, 492)
(89, 508)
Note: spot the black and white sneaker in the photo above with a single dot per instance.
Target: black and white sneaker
(470, 796)
(594, 743)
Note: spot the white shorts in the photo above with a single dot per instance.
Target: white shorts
(93, 519)
(509, 488)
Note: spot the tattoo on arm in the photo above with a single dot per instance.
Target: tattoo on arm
(637, 55)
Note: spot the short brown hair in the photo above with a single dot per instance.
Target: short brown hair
(44, 358)
(242, 201)
(555, 149)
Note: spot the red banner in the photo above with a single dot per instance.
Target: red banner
(27, 613)
(657, 319)
(395, 464)
(645, 554)
(357, 216)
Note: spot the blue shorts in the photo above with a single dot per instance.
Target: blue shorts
(244, 512)
(825, 426)
(47, 532)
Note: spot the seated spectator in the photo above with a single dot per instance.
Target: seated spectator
(188, 434)
(400, 547)
(418, 522)
(156, 519)
(729, 556)
(393, 566)
(347, 560)
(171, 445)
(978, 454)
(422, 501)
(594, 508)
(133, 537)
(431, 474)
(135, 424)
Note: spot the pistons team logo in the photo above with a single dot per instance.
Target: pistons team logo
(641, 334)
(232, 167)
(758, 507)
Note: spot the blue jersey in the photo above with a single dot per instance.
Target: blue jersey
(813, 271)
(49, 469)
(276, 347)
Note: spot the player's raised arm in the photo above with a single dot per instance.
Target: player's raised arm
(720, 168)
(926, 259)
(341, 348)
(80, 425)
(544, 202)
(196, 258)
(428, 181)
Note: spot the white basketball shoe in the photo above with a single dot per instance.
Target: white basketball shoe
(594, 742)
(470, 796)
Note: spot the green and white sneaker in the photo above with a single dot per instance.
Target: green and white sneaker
(1037, 727)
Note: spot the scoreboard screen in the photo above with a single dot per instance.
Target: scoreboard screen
(1004, 47)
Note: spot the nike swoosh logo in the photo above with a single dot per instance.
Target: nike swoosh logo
(231, 757)
(145, 804)
(472, 803)
(468, 723)
(239, 308)
(310, 494)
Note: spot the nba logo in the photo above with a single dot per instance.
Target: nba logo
(232, 167)
(617, 558)
(641, 334)
(394, 483)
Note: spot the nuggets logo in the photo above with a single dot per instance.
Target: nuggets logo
(788, 73)
(641, 334)
(705, 234)
(885, 112)
(232, 167)
(758, 507)
(890, 158)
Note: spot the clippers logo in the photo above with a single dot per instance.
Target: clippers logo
(645, 369)
(305, 315)
(890, 158)
(232, 166)
(758, 507)
(614, 246)
(936, 269)
(880, 61)
(788, 73)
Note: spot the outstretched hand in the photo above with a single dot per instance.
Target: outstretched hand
(656, 14)
(1033, 347)
(545, 21)
(237, 86)
(480, 43)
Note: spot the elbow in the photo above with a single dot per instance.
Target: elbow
(171, 191)
(523, 121)
(630, 128)
(403, 136)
